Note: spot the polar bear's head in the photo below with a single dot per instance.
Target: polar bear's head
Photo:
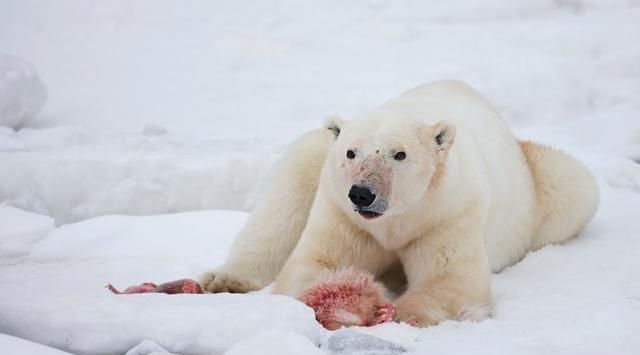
(382, 165)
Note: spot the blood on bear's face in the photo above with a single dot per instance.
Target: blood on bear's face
(380, 169)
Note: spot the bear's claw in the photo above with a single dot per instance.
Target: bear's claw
(218, 282)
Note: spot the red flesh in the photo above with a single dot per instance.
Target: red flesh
(348, 297)
(173, 287)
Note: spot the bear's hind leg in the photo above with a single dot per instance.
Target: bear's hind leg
(274, 227)
(566, 194)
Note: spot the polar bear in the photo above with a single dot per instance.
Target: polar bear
(433, 181)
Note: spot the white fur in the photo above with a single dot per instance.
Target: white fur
(467, 200)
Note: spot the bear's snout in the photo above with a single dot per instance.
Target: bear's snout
(361, 196)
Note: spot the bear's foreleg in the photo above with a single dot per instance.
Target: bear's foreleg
(448, 275)
(274, 227)
(329, 243)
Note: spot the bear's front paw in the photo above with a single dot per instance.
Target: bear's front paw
(218, 282)
(415, 311)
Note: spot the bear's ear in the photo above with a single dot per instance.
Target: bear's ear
(445, 134)
(334, 124)
(442, 134)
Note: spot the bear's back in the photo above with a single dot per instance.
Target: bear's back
(449, 100)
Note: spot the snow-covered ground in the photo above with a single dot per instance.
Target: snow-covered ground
(161, 117)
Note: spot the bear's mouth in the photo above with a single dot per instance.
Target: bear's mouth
(374, 210)
(369, 214)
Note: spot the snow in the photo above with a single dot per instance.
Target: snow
(17, 237)
(22, 93)
(148, 347)
(160, 119)
(131, 236)
(112, 324)
(17, 346)
(56, 296)
(72, 175)
(275, 342)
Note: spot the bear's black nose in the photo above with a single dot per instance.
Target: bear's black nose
(361, 196)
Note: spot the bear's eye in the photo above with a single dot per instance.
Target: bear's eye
(400, 156)
(351, 154)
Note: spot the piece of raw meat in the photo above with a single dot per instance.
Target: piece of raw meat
(348, 297)
(172, 287)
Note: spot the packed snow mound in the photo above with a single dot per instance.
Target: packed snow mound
(65, 304)
(70, 174)
(22, 93)
(19, 230)
(113, 324)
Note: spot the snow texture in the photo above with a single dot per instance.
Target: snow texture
(22, 93)
(16, 346)
(148, 347)
(20, 230)
(161, 118)
(72, 175)
(276, 342)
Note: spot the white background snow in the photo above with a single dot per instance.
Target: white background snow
(162, 116)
